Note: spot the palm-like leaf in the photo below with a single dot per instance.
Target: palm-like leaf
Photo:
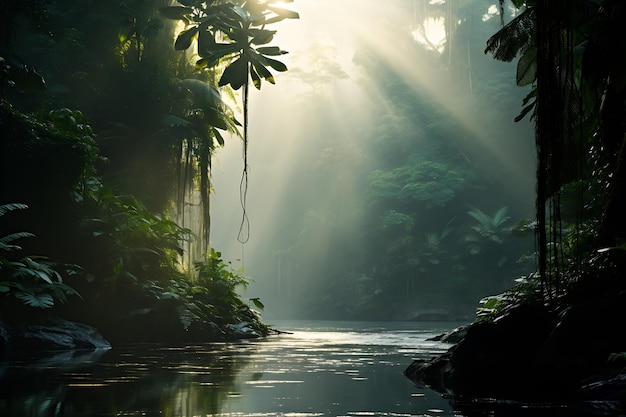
(489, 227)
(5, 208)
(243, 26)
(514, 38)
(6, 242)
(42, 300)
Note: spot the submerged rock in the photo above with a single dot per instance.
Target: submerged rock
(241, 330)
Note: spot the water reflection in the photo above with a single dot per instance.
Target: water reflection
(319, 369)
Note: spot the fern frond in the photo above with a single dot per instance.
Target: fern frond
(5, 208)
(500, 216)
(8, 239)
(514, 37)
(36, 300)
(480, 216)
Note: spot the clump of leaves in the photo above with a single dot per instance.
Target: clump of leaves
(233, 30)
(433, 248)
(216, 285)
(209, 300)
(487, 229)
(618, 358)
(137, 244)
(393, 219)
(527, 289)
(34, 280)
(430, 182)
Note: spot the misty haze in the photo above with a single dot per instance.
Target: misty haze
(367, 157)
(306, 208)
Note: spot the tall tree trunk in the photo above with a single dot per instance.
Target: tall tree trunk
(549, 135)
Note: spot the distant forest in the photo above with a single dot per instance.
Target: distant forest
(111, 115)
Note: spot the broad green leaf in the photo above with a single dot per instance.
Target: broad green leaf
(44, 276)
(208, 62)
(261, 36)
(218, 137)
(241, 13)
(201, 63)
(206, 41)
(219, 50)
(184, 39)
(256, 79)
(525, 111)
(270, 50)
(277, 65)
(236, 74)
(527, 68)
(195, 3)
(257, 303)
(36, 300)
(263, 71)
(175, 12)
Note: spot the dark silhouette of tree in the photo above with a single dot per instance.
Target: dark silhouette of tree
(572, 52)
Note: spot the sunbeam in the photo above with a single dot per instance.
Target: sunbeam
(313, 134)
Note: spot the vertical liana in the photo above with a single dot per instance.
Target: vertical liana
(551, 117)
(244, 227)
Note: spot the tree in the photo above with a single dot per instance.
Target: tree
(231, 33)
(101, 182)
(578, 105)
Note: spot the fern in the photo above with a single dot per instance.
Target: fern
(34, 280)
(5, 208)
(488, 228)
(42, 300)
(514, 38)
(500, 217)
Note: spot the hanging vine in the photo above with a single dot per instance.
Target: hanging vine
(231, 37)
(563, 54)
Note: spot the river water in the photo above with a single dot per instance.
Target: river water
(317, 369)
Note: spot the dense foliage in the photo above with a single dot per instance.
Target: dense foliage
(107, 136)
(577, 103)
(572, 54)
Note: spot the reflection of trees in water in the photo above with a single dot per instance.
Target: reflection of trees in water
(142, 380)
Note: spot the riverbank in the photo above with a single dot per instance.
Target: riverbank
(537, 355)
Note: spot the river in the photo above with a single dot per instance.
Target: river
(317, 369)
